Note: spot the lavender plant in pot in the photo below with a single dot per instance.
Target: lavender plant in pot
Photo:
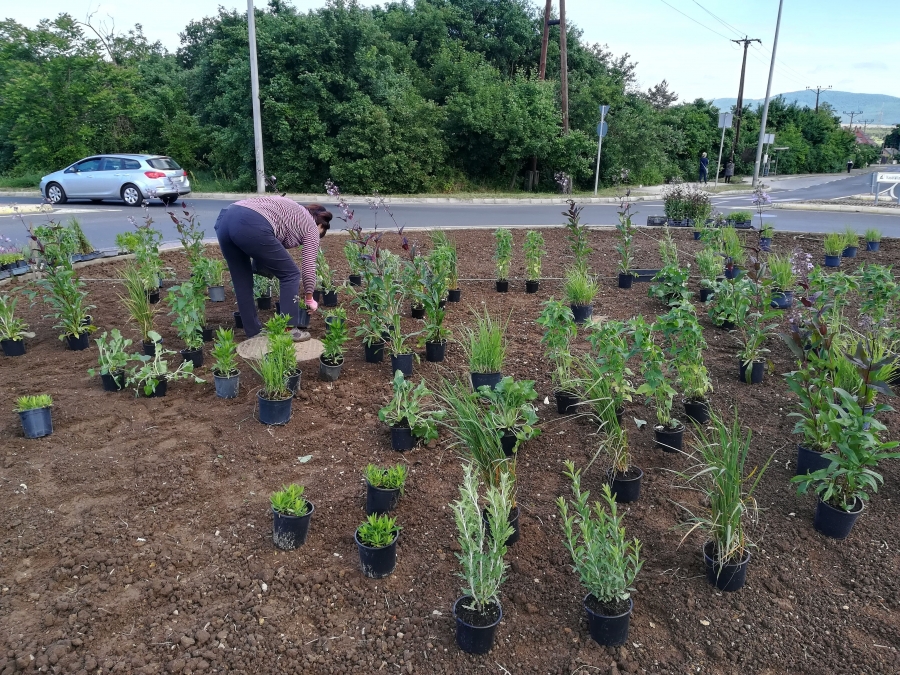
(603, 558)
(534, 252)
(336, 336)
(720, 475)
(291, 514)
(35, 415)
(478, 611)
(384, 487)
(843, 486)
(485, 348)
(113, 360)
(503, 257)
(376, 541)
(410, 418)
(669, 432)
(225, 370)
(13, 331)
(559, 330)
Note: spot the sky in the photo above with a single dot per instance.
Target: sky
(686, 42)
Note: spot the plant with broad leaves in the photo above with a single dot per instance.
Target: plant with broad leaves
(111, 353)
(189, 309)
(559, 330)
(11, 328)
(152, 370)
(656, 370)
(685, 343)
(408, 407)
(510, 407)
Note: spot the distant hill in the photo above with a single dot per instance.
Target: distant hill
(879, 108)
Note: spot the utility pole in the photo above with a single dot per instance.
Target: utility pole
(542, 75)
(740, 102)
(765, 115)
(852, 115)
(563, 66)
(818, 89)
(254, 92)
(866, 124)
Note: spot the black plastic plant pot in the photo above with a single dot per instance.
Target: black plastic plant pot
(696, 411)
(485, 380)
(566, 402)
(403, 363)
(669, 439)
(705, 294)
(582, 313)
(782, 299)
(656, 221)
(726, 325)
(626, 280)
(418, 312)
(195, 356)
(36, 423)
(208, 333)
(289, 532)
(513, 521)
(732, 272)
(293, 383)
(809, 461)
(274, 412)
(153, 296)
(435, 351)
(454, 295)
(330, 299)
(374, 352)
(442, 304)
(13, 347)
(643, 275)
(765, 243)
(377, 563)
(112, 381)
(729, 577)
(380, 500)
(216, 293)
(836, 523)
(605, 630)
(873, 246)
(278, 306)
(755, 375)
(832, 261)
(329, 372)
(77, 344)
(849, 252)
(303, 318)
(356, 280)
(508, 443)
(149, 348)
(532, 286)
(161, 388)
(402, 438)
(474, 630)
(238, 321)
(317, 295)
(697, 234)
(227, 386)
(625, 487)
(265, 302)
(502, 286)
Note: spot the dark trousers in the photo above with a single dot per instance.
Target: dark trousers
(245, 238)
(703, 174)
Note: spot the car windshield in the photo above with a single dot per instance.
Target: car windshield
(163, 163)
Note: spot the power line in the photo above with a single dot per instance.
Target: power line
(721, 21)
(768, 54)
(695, 20)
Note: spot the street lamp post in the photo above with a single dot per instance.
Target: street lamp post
(254, 92)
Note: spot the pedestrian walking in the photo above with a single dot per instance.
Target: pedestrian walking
(849, 165)
(704, 168)
(729, 171)
(255, 235)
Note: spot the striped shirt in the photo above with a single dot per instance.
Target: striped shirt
(293, 226)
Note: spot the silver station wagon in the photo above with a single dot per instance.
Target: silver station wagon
(130, 178)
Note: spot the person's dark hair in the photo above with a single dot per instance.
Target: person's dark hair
(321, 215)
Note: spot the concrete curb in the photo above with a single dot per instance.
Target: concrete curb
(799, 206)
(6, 210)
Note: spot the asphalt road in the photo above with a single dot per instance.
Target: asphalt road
(101, 222)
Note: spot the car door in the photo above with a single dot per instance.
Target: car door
(108, 180)
(79, 178)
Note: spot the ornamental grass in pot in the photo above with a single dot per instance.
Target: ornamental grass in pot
(225, 370)
(478, 611)
(13, 331)
(35, 415)
(410, 416)
(384, 487)
(274, 369)
(503, 257)
(112, 359)
(325, 281)
(67, 300)
(446, 249)
(851, 243)
(605, 561)
(559, 330)
(580, 288)
(534, 252)
(834, 248)
(709, 267)
(720, 474)
(485, 349)
(376, 541)
(212, 272)
(873, 240)
(784, 279)
(291, 514)
(138, 305)
(336, 336)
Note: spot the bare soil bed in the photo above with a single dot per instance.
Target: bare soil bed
(137, 538)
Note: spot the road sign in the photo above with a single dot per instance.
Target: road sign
(725, 120)
(769, 139)
(602, 128)
(888, 178)
(604, 109)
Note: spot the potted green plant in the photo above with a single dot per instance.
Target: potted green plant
(384, 486)
(675, 205)
(291, 513)
(559, 330)
(580, 288)
(625, 230)
(721, 477)
(834, 245)
(151, 376)
(485, 348)
(34, 414)
(733, 249)
(873, 239)
(454, 293)
(376, 540)
(669, 432)
(511, 412)
(225, 369)
(113, 360)
(503, 256)
(214, 274)
(139, 307)
(482, 549)
(843, 486)
(68, 303)
(766, 232)
(709, 267)
(730, 302)
(752, 329)
(603, 558)
(325, 280)
(577, 235)
(371, 302)
(408, 415)
(275, 396)
(685, 343)
(741, 219)
(604, 376)
(262, 291)
(13, 331)
(402, 356)
(784, 279)
(336, 336)
(435, 335)
(534, 252)
(187, 306)
(353, 253)
(851, 243)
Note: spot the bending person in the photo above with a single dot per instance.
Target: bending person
(259, 231)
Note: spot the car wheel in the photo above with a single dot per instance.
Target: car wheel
(168, 200)
(131, 195)
(56, 194)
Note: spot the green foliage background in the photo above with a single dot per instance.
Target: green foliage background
(436, 96)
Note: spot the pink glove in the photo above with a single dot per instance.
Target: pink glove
(312, 305)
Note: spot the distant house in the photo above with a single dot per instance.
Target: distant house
(889, 155)
(862, 138)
